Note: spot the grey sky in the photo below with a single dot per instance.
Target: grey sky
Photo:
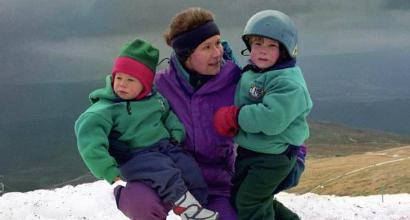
(46, 39)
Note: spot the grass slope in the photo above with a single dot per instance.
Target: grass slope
(355, 162)
(369, 173)
(328, 139)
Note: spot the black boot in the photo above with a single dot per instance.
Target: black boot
(283, 213)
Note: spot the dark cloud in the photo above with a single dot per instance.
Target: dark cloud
(61, 19)
(42, 34)
(396, 4)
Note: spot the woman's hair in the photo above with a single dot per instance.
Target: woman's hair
(187, 20)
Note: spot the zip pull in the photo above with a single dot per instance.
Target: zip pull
(161, 102)
(129, 108)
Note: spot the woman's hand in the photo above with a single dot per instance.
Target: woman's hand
(226, 121)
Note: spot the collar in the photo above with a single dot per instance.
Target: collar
(285, 64)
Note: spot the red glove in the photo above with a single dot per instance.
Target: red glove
(226, 121)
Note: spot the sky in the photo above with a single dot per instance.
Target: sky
(94, 201)
(49, 41)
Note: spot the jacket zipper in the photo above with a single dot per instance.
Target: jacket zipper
(129, 108)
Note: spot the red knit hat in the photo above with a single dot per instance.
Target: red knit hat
(139, 59)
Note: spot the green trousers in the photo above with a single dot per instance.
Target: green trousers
(256, 177)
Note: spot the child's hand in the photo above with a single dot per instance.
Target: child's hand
(226, 121)
(173, 141)
(118, 181)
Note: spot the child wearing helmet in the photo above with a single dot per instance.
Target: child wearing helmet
(268, 120)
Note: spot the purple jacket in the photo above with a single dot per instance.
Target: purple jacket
(195, 110)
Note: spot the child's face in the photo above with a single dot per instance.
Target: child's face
(264, 53)
(127, 87)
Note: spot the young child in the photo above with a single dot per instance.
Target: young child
(141, 118)
(268, 120)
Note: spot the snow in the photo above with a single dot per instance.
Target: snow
(95, 201)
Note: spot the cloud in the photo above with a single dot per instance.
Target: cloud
(89, 29)
(396, 4)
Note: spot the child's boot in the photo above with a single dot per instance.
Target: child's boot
(188, 208)
(282, 212)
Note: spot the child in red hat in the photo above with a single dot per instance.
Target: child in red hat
(142, 119)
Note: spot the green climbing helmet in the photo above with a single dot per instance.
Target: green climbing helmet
(275, 25)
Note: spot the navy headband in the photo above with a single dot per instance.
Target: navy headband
(186, 42)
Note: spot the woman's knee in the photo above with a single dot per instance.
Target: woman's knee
(138, 201)
(222, 205)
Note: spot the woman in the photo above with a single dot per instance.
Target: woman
(200, 78)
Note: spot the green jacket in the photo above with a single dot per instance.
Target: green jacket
(274, 108)
(141, 123)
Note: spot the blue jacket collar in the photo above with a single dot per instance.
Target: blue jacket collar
(286, 64)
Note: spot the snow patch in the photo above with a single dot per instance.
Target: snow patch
(95, 201)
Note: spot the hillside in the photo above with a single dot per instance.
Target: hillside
(329, 139)
(351, 161)
(370, 173)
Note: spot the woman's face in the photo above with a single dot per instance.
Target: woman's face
(206, 58)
